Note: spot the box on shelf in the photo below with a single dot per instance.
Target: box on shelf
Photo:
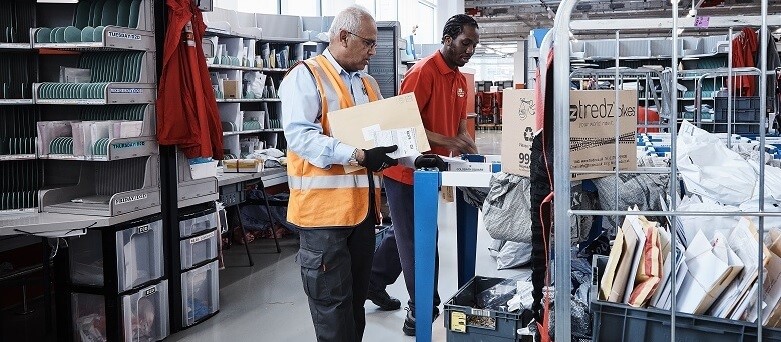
(242, 166)
(143, 314)
(200, 293)
(139, 256)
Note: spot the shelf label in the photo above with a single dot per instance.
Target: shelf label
(122, 35)
(126, 91)
(150, 291)
(129, 199)
(128, 144)
(702, 22)
(201, 238)
(482, 313)
(143, 229)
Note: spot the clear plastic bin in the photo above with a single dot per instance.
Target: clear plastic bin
(144, 313)
(89, 317)
(195, 225)
(196, 250)
(200, 293)
(139, 256)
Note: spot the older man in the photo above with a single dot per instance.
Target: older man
(336, 210)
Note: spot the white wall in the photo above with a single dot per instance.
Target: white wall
(445, 10)
(519, 68)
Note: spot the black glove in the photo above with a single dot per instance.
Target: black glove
(376, 159)
(430, 161)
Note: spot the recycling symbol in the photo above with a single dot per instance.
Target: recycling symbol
(528, 134)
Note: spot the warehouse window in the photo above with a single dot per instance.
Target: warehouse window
(387, 10)
(306, 8)
(332, 7)
(265, 7)
(426, 20)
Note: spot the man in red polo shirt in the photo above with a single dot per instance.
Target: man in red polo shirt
(440, 90)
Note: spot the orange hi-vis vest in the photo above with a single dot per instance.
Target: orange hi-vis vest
(321, 198)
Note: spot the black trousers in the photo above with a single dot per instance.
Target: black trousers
(396, 253)
(335, 267)
(541, 218)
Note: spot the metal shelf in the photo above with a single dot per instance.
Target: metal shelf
(15, 102)
(61, 224)
(118, 149)
(16, 46)
(246, 100)
(233, 67)
(115, 93)
(114, 38)
(253, 131)
(18, 157)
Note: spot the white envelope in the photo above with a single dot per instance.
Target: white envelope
(743, 241)
(708, 275)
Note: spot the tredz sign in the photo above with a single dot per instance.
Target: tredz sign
(594, 117)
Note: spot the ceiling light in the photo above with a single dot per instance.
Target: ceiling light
(778, 30)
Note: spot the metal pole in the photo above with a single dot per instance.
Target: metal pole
(561, 180)
(729, 90)
(762, 119)
(674, 169)
(617, 122)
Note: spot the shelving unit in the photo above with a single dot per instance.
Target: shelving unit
(247, 69)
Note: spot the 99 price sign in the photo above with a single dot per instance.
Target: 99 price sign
(524, 159)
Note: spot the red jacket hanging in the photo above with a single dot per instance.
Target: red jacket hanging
(744, 49)
(187, 113)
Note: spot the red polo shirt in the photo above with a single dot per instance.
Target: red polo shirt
(441, 95)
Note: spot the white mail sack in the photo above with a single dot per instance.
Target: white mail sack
(710, 169)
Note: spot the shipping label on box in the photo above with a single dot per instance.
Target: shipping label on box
(592, 117)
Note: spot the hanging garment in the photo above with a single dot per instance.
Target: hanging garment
(187, 113)
(744, 52)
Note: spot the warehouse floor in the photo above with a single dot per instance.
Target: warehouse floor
(267, 303)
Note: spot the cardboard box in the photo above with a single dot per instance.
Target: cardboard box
(232, 89)
(592, 131)
(356, 125)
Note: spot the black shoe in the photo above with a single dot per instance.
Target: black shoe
(409, 322)
(383, 300)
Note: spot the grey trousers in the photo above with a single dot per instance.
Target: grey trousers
(335, 268)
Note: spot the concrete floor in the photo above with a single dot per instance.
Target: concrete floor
(267, 302)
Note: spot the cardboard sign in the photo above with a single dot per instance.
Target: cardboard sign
(355, 125)
(592, 131)
(518, 130)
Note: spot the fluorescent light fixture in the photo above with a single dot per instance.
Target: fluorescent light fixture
(778, 30)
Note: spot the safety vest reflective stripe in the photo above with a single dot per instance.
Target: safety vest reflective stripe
(331, 182)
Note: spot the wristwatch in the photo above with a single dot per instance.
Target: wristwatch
(353, 158)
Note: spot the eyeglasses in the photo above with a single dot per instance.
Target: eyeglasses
(369, 42)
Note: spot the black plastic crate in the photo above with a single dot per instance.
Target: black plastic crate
(379, 233)
(479, 324)
(621, 322)
(741, 102)
(748, 115)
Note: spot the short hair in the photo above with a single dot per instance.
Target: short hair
(455, 25)
(348, 19)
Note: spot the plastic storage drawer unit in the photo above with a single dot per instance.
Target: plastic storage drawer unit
(197, 222)
(464, 322)
(200, 293)
(139, 256)
(196, 250)
(144, 315)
